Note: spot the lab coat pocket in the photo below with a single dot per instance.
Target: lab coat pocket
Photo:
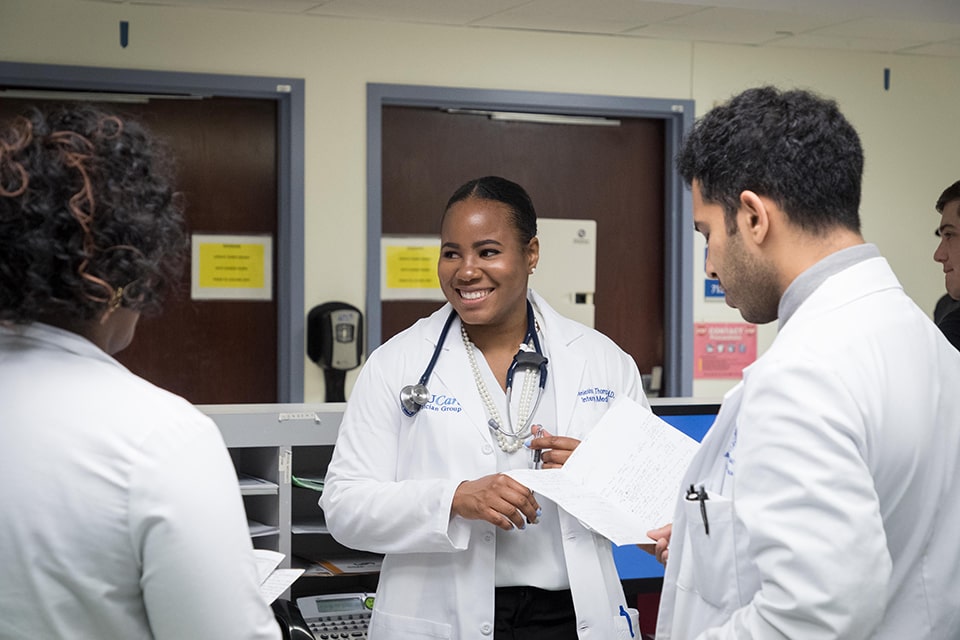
(712, 546)
(393, 627)
(627, 624)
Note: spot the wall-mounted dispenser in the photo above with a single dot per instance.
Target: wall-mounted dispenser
(335, 343)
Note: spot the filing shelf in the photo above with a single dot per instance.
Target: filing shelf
(270, 443)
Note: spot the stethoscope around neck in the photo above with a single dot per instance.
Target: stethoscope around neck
(414, 396)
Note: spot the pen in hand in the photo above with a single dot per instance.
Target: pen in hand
(537, 431)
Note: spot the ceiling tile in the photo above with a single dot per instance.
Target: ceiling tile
(879, 28)
(741, 26)
(454, 12)
(274, 6)
(610, 16)
(921, 10)
(754, 20)
(818, 41)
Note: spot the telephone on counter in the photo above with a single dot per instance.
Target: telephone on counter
(337, 616)
(292, 624)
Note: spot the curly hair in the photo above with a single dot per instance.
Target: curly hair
(88, 216)
(794, 147)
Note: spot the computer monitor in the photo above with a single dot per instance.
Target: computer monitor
(639, 571)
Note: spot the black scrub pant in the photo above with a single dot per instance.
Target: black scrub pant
(528, 613)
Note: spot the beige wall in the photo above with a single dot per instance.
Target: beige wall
(909, 132)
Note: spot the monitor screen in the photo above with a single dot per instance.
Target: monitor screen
(639, 570)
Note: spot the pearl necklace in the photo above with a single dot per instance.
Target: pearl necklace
(513, 442)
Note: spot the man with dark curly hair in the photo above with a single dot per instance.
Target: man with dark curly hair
(821, 503)
(120, 515)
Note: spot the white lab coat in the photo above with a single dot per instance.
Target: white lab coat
(120, 516)
(831, 472)
(390, 485)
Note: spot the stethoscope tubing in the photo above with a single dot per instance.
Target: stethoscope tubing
(409, 404)
(436, 351)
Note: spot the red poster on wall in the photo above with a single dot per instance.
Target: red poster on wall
(723, 349)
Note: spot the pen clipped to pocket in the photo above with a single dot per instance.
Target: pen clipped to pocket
(700, 495)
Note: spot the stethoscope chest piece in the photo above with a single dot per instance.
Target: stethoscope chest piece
(412, 397)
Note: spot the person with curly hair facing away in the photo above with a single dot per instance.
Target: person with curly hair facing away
(120, 515)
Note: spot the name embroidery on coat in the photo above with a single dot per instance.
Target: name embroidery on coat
(596, 394)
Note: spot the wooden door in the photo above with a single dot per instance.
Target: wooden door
(614, 175)
(212, 352)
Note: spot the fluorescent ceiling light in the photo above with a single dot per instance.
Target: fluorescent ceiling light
(92, 96)
(540, 118)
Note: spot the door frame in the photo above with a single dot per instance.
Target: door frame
(678, 207)
(289, 95)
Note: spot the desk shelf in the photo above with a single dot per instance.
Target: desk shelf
(270, 445)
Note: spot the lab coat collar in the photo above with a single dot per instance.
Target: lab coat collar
(55, 338)
(861, 278)
(810, 280)
(556, 328)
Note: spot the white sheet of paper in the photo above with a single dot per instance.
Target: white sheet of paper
(273, 581)
(267, 561)
(278, 582)
(624, 478)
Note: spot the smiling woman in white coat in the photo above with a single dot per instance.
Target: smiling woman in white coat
(417, 472)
